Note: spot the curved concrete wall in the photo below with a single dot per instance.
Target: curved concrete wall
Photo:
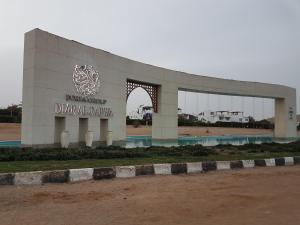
(49, 61)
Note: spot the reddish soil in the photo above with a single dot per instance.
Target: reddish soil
(10, 131)
(260, 196)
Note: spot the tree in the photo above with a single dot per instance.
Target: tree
(11, 114)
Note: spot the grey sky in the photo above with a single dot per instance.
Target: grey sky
(255, 40)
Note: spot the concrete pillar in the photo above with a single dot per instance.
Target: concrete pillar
(285, 117)
(165, 121)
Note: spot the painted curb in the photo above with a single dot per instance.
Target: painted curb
(141, 170)
(223, 165)
(209, 166)
(7, 179)
(56, 176)
(297, 160)
(80, 174)
(28, 178)
(279, 162)
(75, 175)
(195, 167)
(125, 171)
(178, 168)
(236, 164)
(270, 162)
(289, 161)
(104, 173)
(260, 162)
(162, 169)
(248, 163)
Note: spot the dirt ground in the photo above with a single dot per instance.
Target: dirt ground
(245, 197)
(10, 131)
(202, 131)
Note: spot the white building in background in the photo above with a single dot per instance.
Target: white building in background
(222, 116)
(142, 112)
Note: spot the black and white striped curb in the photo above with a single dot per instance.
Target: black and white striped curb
(75, 175)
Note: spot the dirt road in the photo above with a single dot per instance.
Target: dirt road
(250, 197)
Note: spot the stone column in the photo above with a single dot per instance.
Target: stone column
(165, 121)
(285, 116)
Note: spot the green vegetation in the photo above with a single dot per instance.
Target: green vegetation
(263, 124)
(11, 114)
(137, 123)
(27, 159)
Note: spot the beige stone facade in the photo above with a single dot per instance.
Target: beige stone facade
(49, 63)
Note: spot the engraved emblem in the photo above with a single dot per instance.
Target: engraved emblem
(86, 80)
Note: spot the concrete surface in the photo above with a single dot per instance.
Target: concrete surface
(162, 169)
(81, 174)
(125, 171)
(28, 178)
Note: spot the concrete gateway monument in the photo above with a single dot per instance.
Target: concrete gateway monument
(74, 93)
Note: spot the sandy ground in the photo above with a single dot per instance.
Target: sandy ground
(245, 197)
(202, 131)
(10, 131)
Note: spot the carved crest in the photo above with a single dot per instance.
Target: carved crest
(86, 80)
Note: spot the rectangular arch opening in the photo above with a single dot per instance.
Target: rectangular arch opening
(59, 127)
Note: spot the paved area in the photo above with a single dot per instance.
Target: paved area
(254, 196)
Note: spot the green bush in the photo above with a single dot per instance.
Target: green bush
(29, 154)
(9, 119)
(112, 152)
(142, 122)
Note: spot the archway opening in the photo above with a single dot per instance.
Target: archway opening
(206, 114)
(139, 110)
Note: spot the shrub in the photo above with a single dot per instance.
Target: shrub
(111, 152)
(9, 119)
(29, 154)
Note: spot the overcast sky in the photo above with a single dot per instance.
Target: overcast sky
(253, 40)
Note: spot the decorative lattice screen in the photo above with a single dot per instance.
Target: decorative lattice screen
(151, 89)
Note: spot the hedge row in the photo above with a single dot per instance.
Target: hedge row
(256, 124)
(10, 119)
(185, 122)
(29, 154)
